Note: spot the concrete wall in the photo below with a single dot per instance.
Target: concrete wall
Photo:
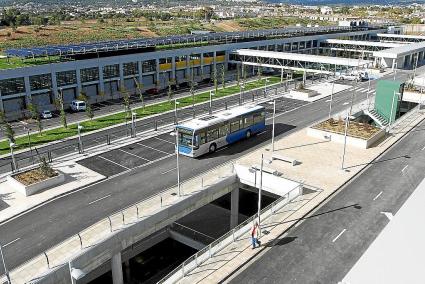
(96, 256)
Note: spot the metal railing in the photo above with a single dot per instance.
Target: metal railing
(209, 251)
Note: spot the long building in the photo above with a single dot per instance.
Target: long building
(101, 70)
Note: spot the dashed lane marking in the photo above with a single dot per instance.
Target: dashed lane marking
(143, 145)
(11, 242)
(405, 167)
(170, 170)
(99, 199)
(376, 197)
(165, 140)
(339, 235)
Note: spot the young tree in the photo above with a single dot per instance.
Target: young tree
(89, 110)
(238, 76)
(139, 87)
(9, 132)
(223, 77)
(170, 92)
(59, 105)
(35, 115)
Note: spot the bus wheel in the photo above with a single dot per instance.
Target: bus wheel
(248, 134)
(213, 147)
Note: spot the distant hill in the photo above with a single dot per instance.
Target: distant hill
(346, 2)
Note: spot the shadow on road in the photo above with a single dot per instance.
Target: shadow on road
(280, 242)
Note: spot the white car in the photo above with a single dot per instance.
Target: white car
(350, 77)
(78, 105)
(46, 114)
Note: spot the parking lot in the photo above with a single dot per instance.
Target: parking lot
(131, 156)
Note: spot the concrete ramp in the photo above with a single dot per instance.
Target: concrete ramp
(272, 182)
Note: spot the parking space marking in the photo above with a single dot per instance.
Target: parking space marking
(165, 140)
(118, 164)
(11, 242)
(376, 197)
(423, 148)
(99, 199)
(339, 235)
(153, 148)
(134, 155)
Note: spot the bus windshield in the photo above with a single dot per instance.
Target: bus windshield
(185, 136)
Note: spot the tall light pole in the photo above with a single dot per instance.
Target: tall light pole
(266, 80)
(80, 144)
(273, 123)
(345, 140)
(367, 94)
(6, 272)
(11, 145)
(178, 164)
(242, 87)
(133, 123)
(392, 112)
(330, 103)
(175, 110)
(211, 95)
(395, 69)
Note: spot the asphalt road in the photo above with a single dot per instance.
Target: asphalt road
(51, 223)
(330, 241)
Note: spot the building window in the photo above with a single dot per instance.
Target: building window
(111, 71)
(149, 66)
(12, 86)
(89, 74)
(41, 82)
(131, 68)
(66, 78)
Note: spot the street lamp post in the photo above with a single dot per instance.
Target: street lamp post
(133, 123)
(11, 145)
(242, 88)
(395, 70)
(80, 144)
(6, 272)
(367, 95)
(175, 111)
(273, 123)
(178, 164)
(330, 103)
(345, 140)
(211, 95)
(392, 112)
(266, 80)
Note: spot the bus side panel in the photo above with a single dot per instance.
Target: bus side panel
(259, 127)
(236, 136)
(184, 150)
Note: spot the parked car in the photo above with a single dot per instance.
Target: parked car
(350, 77)
(152, 91)
(46, 114)
(78, 105)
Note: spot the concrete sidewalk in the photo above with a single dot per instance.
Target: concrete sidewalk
(316, 169)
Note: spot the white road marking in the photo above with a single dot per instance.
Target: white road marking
(363, 91)
(346, 103)
(376, 197)
(339, 235)
(143, 145)
(389, 215)
(423, 148)
(106, 159)
(11, 242)
(327, 101)
(405, 167)
(99, 199)
(170, 170)
(165, 140)
(128, 153)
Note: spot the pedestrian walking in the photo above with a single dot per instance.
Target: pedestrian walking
(254, 235)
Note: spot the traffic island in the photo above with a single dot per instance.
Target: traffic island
(361, 135)
(34, 180)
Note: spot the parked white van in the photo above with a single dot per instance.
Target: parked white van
(78, 105)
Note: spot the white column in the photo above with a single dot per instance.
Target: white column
(234, 208)
(116, 265)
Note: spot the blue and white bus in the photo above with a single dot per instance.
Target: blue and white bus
(206, 134)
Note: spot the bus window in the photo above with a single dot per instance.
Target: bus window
(212, 134)
(234, 126)
(185, 137)
(247, 121)
(223, 130)
(258, 117)
(203, 138)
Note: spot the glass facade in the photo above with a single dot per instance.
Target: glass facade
(89, 74)
(149, 66)
(111, 71)
(66, 78)
(12, 86)
(40, 82)
(131, 68)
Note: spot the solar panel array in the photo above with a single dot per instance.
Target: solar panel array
(107, 46)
